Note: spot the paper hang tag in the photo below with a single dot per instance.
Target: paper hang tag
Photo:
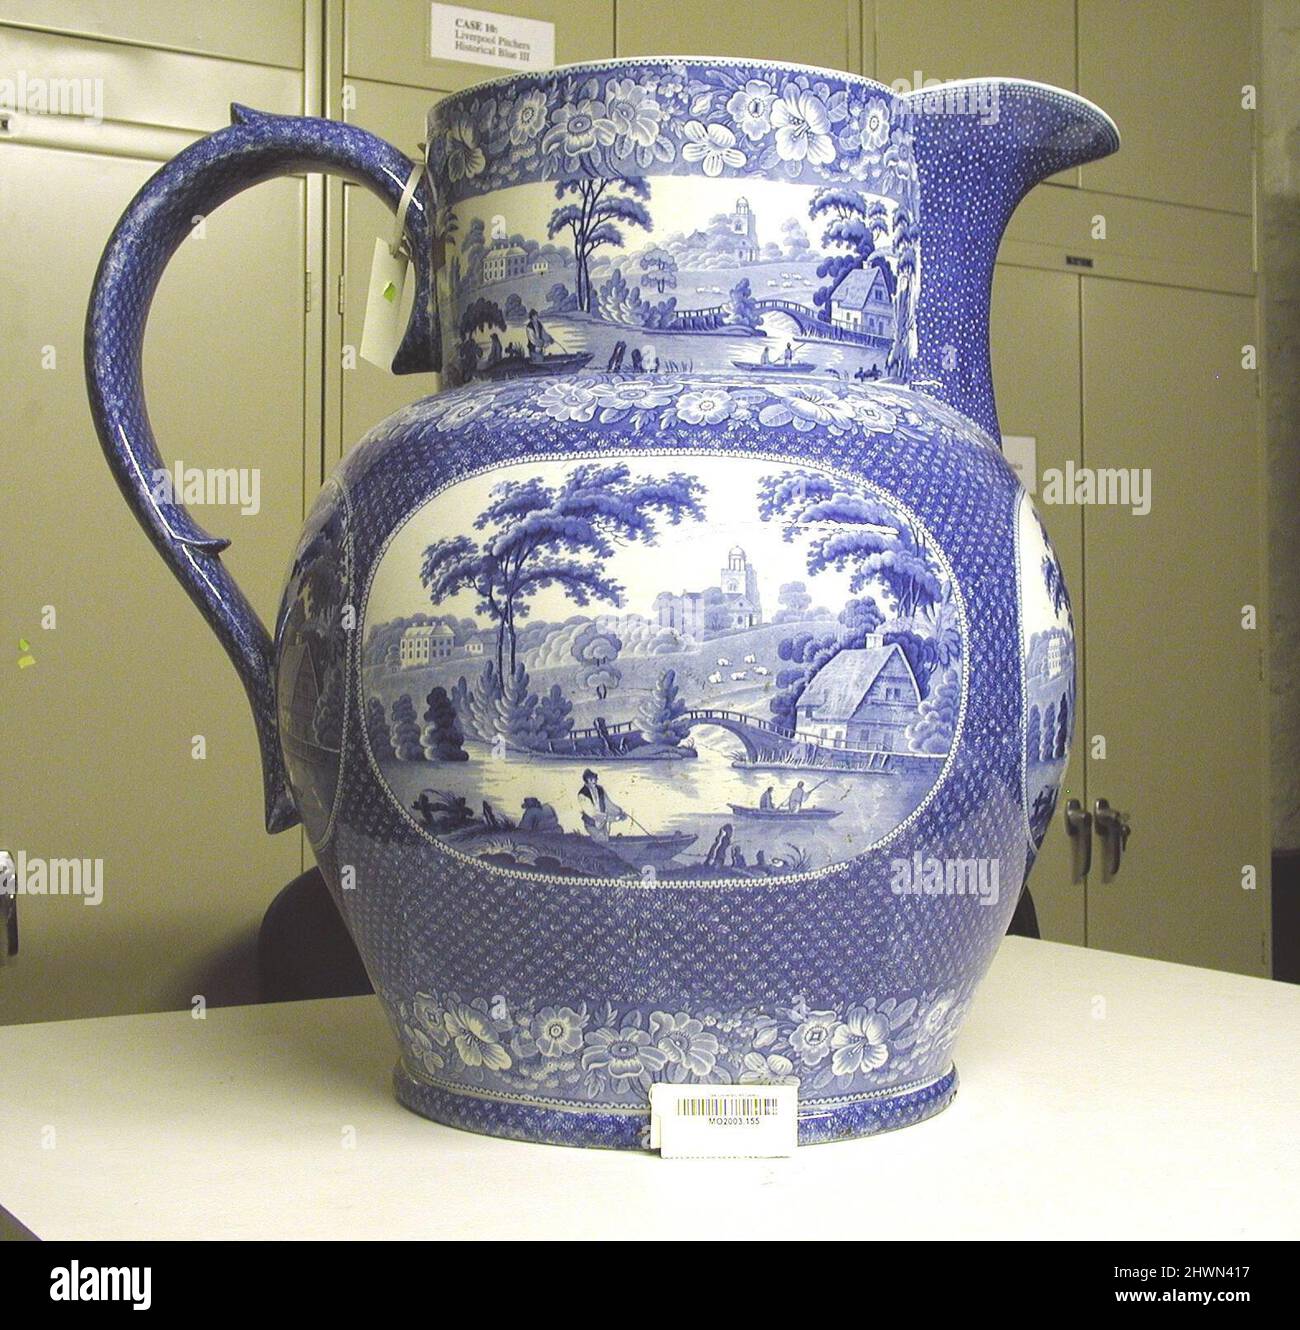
(381, 333)
(724, 1121)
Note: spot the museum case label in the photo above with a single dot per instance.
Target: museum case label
(479, 37)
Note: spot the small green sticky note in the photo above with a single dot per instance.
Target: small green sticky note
(390, 292)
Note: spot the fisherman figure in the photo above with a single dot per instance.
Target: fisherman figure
(603, 810)
(794, 800)
(767, 801)
(537, 336)
(788, 354)
(538, 816)
(766, 357)
(717, 855)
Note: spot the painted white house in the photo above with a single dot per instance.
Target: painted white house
(866, 697)
(504, 261)
(423, 643)
(863, 302)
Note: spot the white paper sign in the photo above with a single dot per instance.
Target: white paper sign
(479, 37)
(724, 1121)
(1021, 452)
(381, 332)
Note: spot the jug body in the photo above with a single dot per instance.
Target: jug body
(683, 695)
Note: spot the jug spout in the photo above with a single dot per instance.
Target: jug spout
(980, 146)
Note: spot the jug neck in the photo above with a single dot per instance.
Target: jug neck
(981, 145)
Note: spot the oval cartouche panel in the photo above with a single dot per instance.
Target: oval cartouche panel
(668, 667)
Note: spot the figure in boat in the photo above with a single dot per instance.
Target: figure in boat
(794, 800)
(537, 336)
(767, 801)
(602, 811)
(766, 357)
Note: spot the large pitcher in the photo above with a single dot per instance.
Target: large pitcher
(684, 695)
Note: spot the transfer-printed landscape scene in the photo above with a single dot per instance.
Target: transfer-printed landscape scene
(660, 667)
(589, 275)
(1048, 643)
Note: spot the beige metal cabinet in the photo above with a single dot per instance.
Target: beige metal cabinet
(818, 32)
(1172, 75)
(1173, 678)
(100, 729)
(955, 39)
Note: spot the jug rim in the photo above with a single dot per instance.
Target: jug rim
(639, 61)
(789, 66)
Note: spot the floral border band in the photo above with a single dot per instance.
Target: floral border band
(670, 117)
(600, 1055)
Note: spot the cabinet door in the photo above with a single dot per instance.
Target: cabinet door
(100, 729)
(1171, 75)
(1035, 346)
(815, 32)
(958, 39)
(1173, 679)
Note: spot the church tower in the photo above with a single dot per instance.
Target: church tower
(740, 579)
(745, 228)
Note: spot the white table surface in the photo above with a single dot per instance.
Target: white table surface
(1100, 1096)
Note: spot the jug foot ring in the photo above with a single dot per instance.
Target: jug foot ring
(598, 1126)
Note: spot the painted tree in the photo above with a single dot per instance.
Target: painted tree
(795, 240)
(857, 533)
(1062, 741)
(442, 739)
(462, 701)
(597, 647)
(381, 743)
(859, 617)
(660, 269)
(516, 712)
(899, 360)
(795, 601)
(1034, 733)
(480, 315)
(483, 704)
(538, 535)
(1049, 733)
(663, 713)
(560, 300)
(601, 206)
(405, 730)
(936, 723)
(554, 716)
(742, 308)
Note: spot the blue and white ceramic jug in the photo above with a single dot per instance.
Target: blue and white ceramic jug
(684, 695)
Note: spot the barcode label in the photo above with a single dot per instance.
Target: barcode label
(728, 1108)
(697, 1122)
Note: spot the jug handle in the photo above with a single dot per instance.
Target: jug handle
(255, 147)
